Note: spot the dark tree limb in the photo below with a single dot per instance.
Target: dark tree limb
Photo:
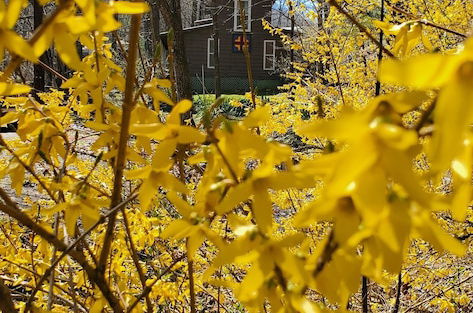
(6, 302)
(397, 303)
(364, 295)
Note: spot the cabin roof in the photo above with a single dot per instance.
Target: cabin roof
(188, 29)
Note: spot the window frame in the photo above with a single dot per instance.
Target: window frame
(211, 53)
(273, 54)
(236, 16)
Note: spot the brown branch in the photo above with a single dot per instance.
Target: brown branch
(36, 274)
(172, 68)
(362, 28)
(51, 70)
(56, 298)
(102, 192)
(425, 115)
(426, 22)
(377, 87)
(326, 256)
(10, 208)
(215, 298)
(397, 302)
(28, 168)
(436, 295)
(123, 141)
(451, 31)
(225, 160)
(190, 264)
(335, 67)
(53, 257)
(148, 288)
(6, 302)
(8, 238)
(134, 256)
(190, 270)
(16, 60)
(122, 50)
(101, 220)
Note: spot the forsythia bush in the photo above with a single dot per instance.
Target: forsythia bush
(158, 216)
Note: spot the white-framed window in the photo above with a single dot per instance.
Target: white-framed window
(246, 4)
(269, 55)
(211, 52)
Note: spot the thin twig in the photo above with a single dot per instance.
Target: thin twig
(101, 220)
(360, 27)
(16, 60)
(436, 295)
(36, 274)
(51, 278)
(148, 288)
(380, 52)
(11, 209)
(426, 22)
(28, 168)
(134, 256)
(335, 67)
(57, 298)
(51, 70)
(397, 302)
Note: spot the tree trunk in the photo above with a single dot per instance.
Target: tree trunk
(171, 13)
(218, 88)
(293, 21)
(38, 70)
(181, 69)
(155, 19)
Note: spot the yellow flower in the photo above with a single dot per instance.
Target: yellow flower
(453, 75)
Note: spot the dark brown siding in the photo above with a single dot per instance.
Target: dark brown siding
(232, 64)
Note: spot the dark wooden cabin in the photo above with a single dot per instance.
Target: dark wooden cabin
(265, 49)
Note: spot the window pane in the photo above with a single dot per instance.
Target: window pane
(203, 12)
(269, 62)
(269, 58)
(210, 53)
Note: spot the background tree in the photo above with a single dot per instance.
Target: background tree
(39, 75)
(171, 12)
